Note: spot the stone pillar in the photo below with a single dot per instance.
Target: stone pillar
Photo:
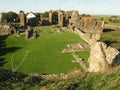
(41, 19)
(50, 17)
(60, 18)
(1, 17)
(67, 15)
(22, 18)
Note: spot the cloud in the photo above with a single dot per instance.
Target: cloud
(63, 1)
(78, 1)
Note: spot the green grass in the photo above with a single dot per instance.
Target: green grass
(43, 28)
(84, 55)
(109, 80)
(112, 37)
(42, 55)
(115, 24)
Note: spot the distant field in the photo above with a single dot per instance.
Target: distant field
(112, 38)
(42, 55)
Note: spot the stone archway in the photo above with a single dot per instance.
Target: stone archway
(60, 17)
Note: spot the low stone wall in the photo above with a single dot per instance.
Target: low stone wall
(90, 38)
(76, 47)
(6, 29)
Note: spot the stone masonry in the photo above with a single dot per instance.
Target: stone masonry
(102, 57)
(6, 29)
(50, 16)
(63, 17)
(22, 18)
(60, 18)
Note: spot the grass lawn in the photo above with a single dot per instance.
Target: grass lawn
(42, 55)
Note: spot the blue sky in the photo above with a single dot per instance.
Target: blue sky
(102, 7)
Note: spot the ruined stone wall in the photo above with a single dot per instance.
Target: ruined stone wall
(5, 29)
(60, 18)
(50, 16)
(63, 17)
(88, 26)
(102, 57)
(1, 17)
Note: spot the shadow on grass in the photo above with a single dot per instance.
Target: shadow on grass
(109, 42)
(2, 61)
(4, 50)
(108, 30)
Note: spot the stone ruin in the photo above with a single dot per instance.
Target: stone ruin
(102, 56)
(76, 47)
(6, 29)
(60, 17)
(63, 17)
(30, 33)
(22, 19)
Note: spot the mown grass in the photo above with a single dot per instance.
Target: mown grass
(42, 55)
(43, 28)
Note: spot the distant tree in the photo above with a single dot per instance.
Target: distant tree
(10, 17)
(4, 17)
(45, 14)
(88, 15)
(37, 14)
(83, 15)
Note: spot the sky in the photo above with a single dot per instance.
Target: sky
(98, 7)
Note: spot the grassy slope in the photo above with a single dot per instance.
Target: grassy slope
(109, 80)
(44, 53)
(91, 81)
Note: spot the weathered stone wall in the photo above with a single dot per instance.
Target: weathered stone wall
(6, 29)
(90, 38)
(60, 18)
(22, 18)
(1, 15)
(89, 30)
(102, 56)
(63, 17)
(50, 16)
(88, 26)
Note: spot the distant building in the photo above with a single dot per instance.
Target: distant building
(32, 20)
(30, 15)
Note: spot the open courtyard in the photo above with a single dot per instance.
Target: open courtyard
(42, 55)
